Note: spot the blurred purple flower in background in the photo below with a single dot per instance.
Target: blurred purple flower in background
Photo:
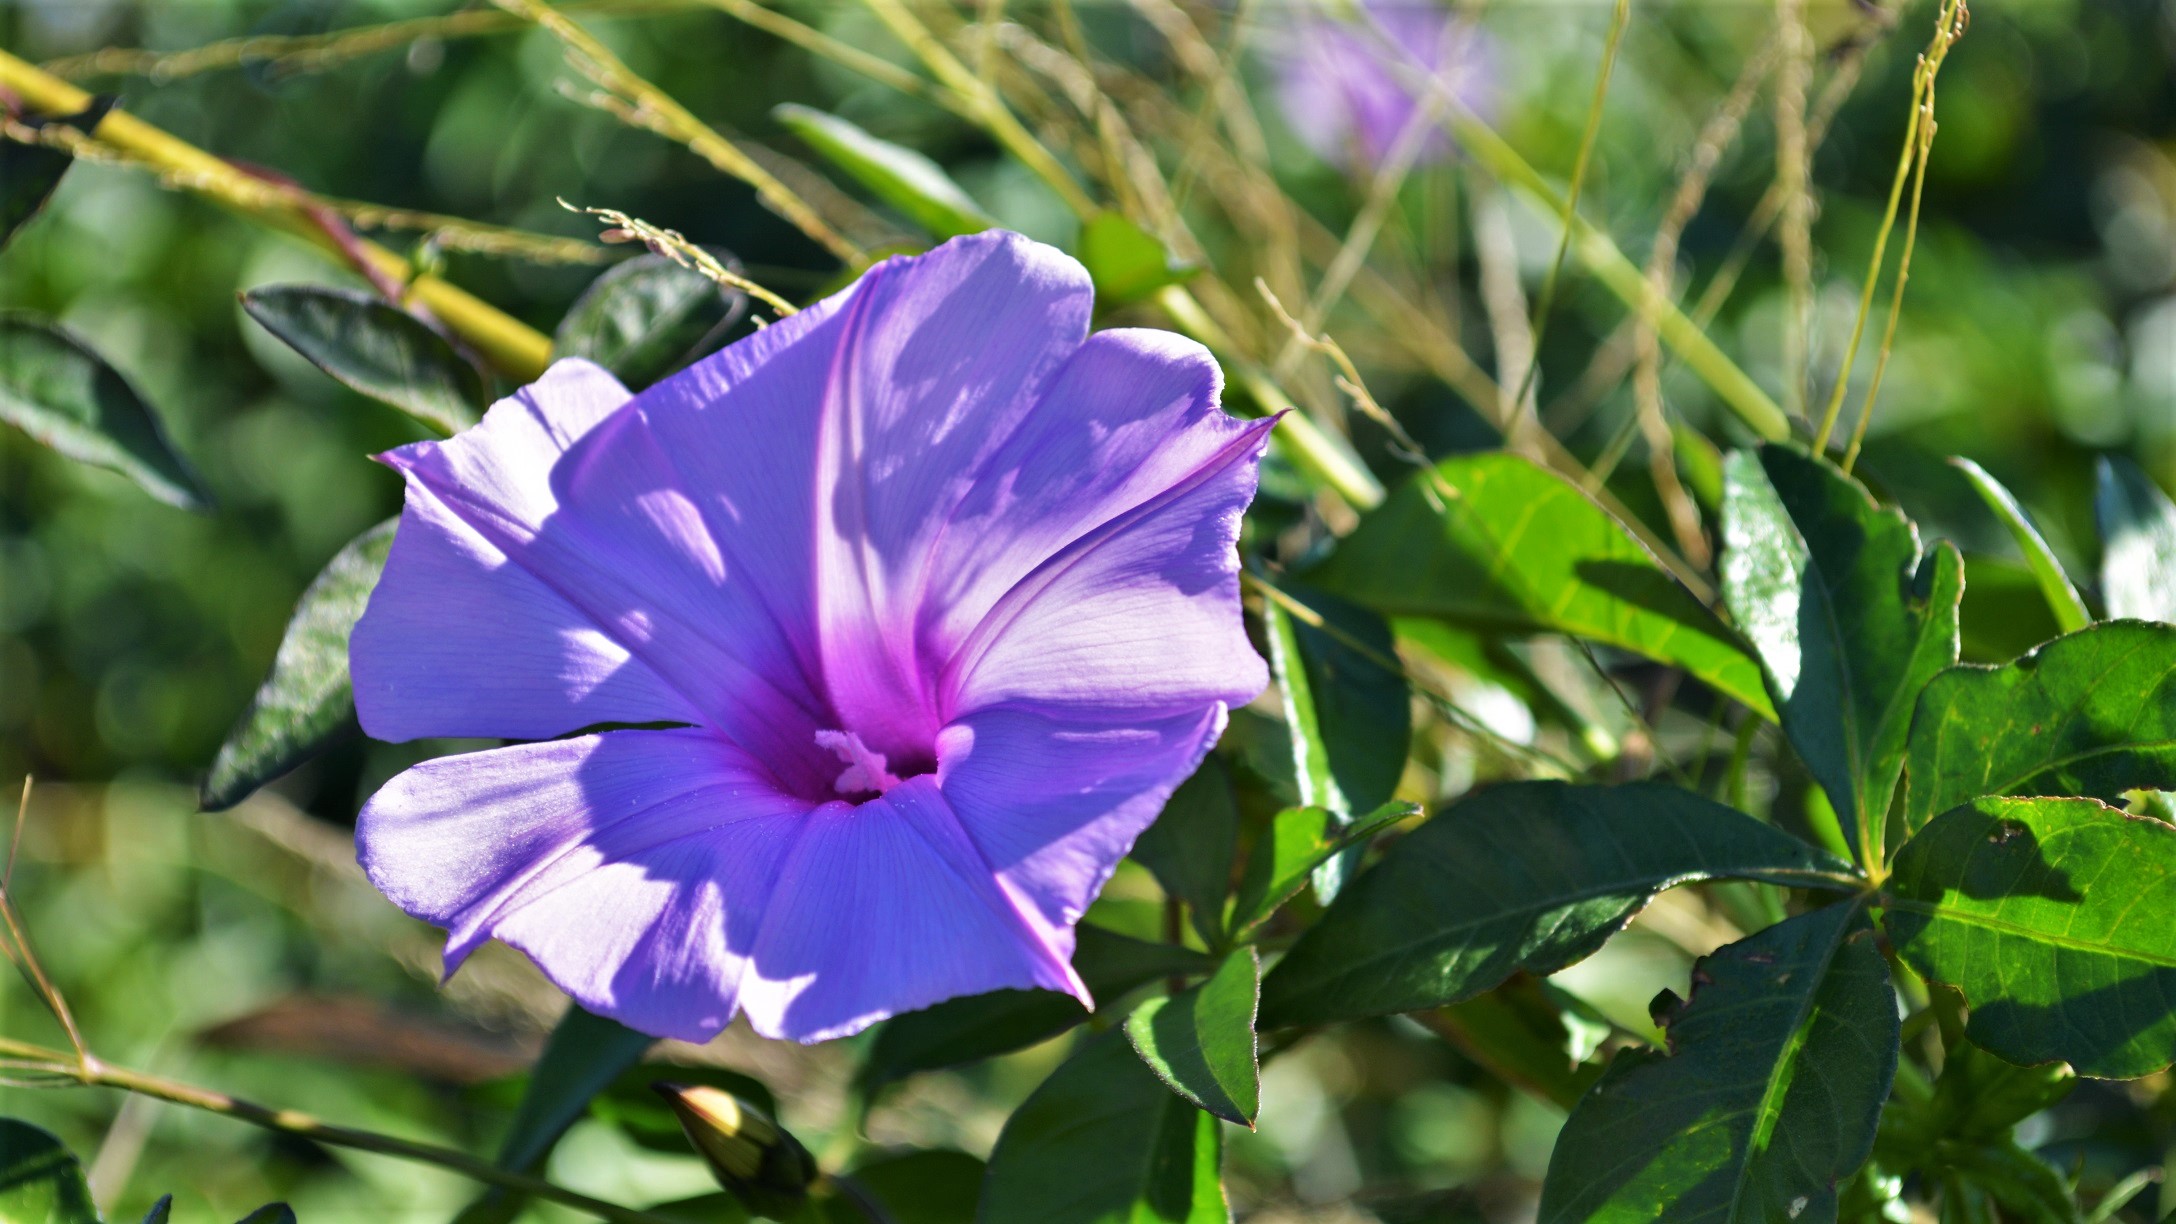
(943, 589)
(1348, 88)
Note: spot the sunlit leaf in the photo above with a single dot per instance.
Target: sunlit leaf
(29, 173)
(1103, 1141)
(373, 348)
(1764, 1104)
(1505, 544)
(1527, 875)
(307, 700)
(1190, 847)
(1849, 617)
(1297, 841)
(916, 186)
(2092, 713)
(1126, 262)
(41, 1181)
(2063, 601)
(2057, 919)
(2138, 542)
(645, 317)
(1201, 1040)
(54, 388)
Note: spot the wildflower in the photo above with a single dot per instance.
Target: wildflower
(875, 640)
(1350, 88)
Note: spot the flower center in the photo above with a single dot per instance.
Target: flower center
(867, 771)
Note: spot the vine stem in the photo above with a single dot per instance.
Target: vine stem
(513, 347)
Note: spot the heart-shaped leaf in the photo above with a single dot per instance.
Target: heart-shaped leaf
(375, 349)
(54, 388)
(1200, 1041)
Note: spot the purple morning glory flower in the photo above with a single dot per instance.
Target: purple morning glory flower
(942, 589)
(1348, 88)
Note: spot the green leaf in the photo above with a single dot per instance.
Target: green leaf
(585, 1054)
(160, 1211)
(1980, 1096)
(54, 388)
(2063, 601)
(645, 317)
(1527, 875)
(41, 1181)
(982, 1026)
(937, 1186)
(1201, 1040)
(2138, 542)
(2028, 1189)
(1496, 541)
(1528, 1034)
(1298, 841)
(1103, 1141)
(2090, 714)
(899, 176)
(307, 700)
(1766, 1101)
(2057, 919)
(30, 172)
(1190, 847)
(1346, 705)
(373, 348)
(1849, 618)
(1126, 262)
(270, 1213)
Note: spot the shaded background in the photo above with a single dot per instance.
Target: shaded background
(2040, 330)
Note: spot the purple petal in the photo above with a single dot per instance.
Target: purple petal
(1139, 615)
(1053, 802)
(888, 907)
(632, 867)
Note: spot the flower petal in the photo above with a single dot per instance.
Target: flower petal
(632, 867)
(888, 907)
(1053, 802)
(1140, 615)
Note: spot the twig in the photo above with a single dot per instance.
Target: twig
(674, 246)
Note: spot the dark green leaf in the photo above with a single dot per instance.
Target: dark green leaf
(1496, 541)
(307, 700)
(2062, 598)
(1980, 1096)
(2091, 714)
(373, 348)
(1849, 618)
(899, 176)
(2029, 1190)
(160, 1211)
(1297, 841)
(1190, 847)
(1103, 1141)
(2138, 542)
(1527, 1034)
(30, 172)
(41, 1182)
(1528, 875)
(982, 1026)
(270, 1213)
(643, 318)
(1346, 704)
(2057, 919)
(1201, 1040)
(1126, 262)
(58, 391)
(930, 1187)
(1766, 1101)
(2002, 614)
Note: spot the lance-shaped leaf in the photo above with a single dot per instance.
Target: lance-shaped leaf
(1849, 618)
(42, 1181)
(2138, 542)
(2063, 601)
(1529, 875)
(644, 318)
(1345, 705)
(30, 172)
(2057, 919)
(899, 176)
(1496, 541)
(982, 1026)
(373, 348)
(307, 700)
(1126, 262)
(1298, 841)
(1201, 1040)
(1766, 1100)
(1190, 847)
(54, 388)
(1103, 1141)
(2091, 714)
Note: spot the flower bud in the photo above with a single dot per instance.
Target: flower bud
(763, 1165)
